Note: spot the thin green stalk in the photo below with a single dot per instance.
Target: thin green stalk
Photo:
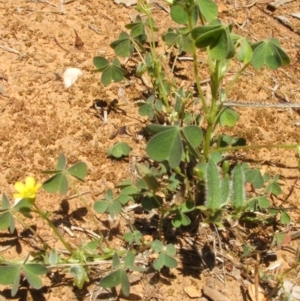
(197, 79)
(235, 78)
(156, 61)
(207, 140)
(43, 216)
(26, 226)
(162, 215)
(90, 214)
(211, 118)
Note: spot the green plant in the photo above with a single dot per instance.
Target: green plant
(187, 178)
(119, 275)
(189, 173)
(77, 260)
(119, 149)
(165, 257)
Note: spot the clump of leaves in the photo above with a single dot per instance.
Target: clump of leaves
(119, 150)
(59, 181)
(188, 171)
(119, 273)
(78, 259)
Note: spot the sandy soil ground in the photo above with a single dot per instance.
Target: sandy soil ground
(40, 119)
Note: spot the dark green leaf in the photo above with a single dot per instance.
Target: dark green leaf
(208, 9)
(179, 14)
(273, 188)
(124, 198)
(24, 203)
(217, 37)
(35, 268)
(238, 186)
(114, 209)
(255, 177)
(100, 62)
(159, 262)
(8, 273)
(33, 279)
(15, 285)
(158, 128)
(129, 260)
(157, 246)
(59, 182)
(117, 74)
(5, 220)
(78, 170)
(106, 76)
(269, 53)
(116, 261)
(245, 51)
(53, 257)
(263, 202)
(229, 117)
(123, 46)
(166, 145)
(170, 38)
(137, 30)
(125, 284)
(164, 260)
(285, 218)
(61, 162)
(187, 206)
(5, 202)
(213, 186)
(149, 202)
(193, 134)
(112, 280)
(170, 249)
(176, 220)
(101, 206)
(225, 189)
(119, 149)
(147, 110)
(170, 262)
(212, 30)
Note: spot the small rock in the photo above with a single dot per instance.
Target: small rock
(192, 291)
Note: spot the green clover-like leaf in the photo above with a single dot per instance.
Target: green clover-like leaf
(269, 53)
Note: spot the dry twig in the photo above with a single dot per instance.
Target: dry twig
(58, 44)
(276, 4)
(213, 294)
(9, 49)
(94, 28)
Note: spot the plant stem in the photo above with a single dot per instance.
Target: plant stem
(211, 117)
(162, 215)
(43, 216)
(236, 77)
(156, 61)
(26, 226)
(197, 79)
(86, 205)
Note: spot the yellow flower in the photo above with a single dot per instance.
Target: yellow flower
(27, 190)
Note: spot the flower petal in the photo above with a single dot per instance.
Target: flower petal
(29, 182)
(17, 196)
(37, 186)
(19, 186)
